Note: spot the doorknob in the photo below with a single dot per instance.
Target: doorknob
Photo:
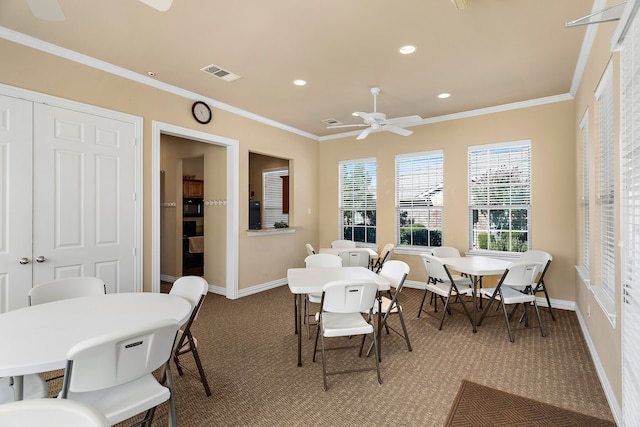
(41, 259)
(24, 261)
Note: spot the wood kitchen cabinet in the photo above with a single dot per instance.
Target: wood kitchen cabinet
(193, 188)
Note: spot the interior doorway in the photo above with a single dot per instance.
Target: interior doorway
(231, 146)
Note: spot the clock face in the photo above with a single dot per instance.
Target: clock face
(201, 112)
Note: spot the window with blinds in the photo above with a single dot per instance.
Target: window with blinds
(358, 200)
(606, 188)
(500, 196)
(584, 127)
(419, 199)
(272, 188)
(630, 166)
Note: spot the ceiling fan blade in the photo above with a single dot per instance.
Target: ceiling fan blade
(347, 126)
(47, 10)
(160, 5)
(395, 129)
(405, 119)
(364, 133)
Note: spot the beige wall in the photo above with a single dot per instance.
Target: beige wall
(551, 131)
(607, 339)
(261, 259)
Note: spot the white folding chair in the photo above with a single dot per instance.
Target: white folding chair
(114, 372)
(310, 250)
(194, 289)
(66, 288)
(522, 273)
(69, 287)
(384, 255)
(355, 258)
(317, 260)
(33, 387)
(443, 286)
(544, 259)
(343, 303)
(343, 244)
(395, 272)
(51, 412)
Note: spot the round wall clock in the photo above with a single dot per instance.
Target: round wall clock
(201, 112)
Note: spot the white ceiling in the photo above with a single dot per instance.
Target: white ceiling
(494, 52)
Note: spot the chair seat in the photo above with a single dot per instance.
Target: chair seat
(509, 295)
(386, 302)
(461, 280)
(186, 345)
(50, 412)
(34, 387)
(126, 400)
(344, 324)
(442, 289)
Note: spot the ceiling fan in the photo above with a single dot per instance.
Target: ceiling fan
(50, 10)
(378, 121)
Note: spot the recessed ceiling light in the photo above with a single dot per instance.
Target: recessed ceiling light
(151, 74)
(406, 50)
(299, 82)
(444, 95)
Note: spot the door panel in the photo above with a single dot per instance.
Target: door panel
(84, 195)
(15, 201)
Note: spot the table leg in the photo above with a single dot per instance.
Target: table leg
(298, 326)
(295, 312)
(18, 387)
(379, 327)
(475, 305)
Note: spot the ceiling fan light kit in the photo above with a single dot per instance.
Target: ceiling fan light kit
(377, 121)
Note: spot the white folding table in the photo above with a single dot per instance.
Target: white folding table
(36, 339)
(476, 267)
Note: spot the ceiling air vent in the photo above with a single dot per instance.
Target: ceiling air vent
(225, 75)
(331, 122)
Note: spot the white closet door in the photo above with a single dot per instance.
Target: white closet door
(84, 187)
(15, 202)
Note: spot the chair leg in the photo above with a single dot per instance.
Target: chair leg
(506, 319)
(539, 319)
(315, 347)
(404, 329)
(203, 377)
(324, 364)
(426, 291)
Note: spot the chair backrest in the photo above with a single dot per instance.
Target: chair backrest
(445, 252)
(541, 257)
(435, 269)
(521, 273)
(343, 244)
(395, 272)
(345, 296)
(51, 412)
(192, 288)
(323, 260)
(310, 250)
(112, 359)
(70, 287)
(384, 255)
(355, 258)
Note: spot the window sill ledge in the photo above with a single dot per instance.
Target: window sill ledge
(271, 231)
(606, 303)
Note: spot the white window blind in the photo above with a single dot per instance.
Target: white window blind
(606, 189)
(419, 199)
(358, 200)
(272, 197)
(630, 165)
(584, 126)
(500, 196)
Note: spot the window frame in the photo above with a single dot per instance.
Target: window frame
(362, 201)
(473, 160)
(272, 197)
(432, 162)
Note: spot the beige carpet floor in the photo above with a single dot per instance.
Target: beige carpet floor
(248, 348)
